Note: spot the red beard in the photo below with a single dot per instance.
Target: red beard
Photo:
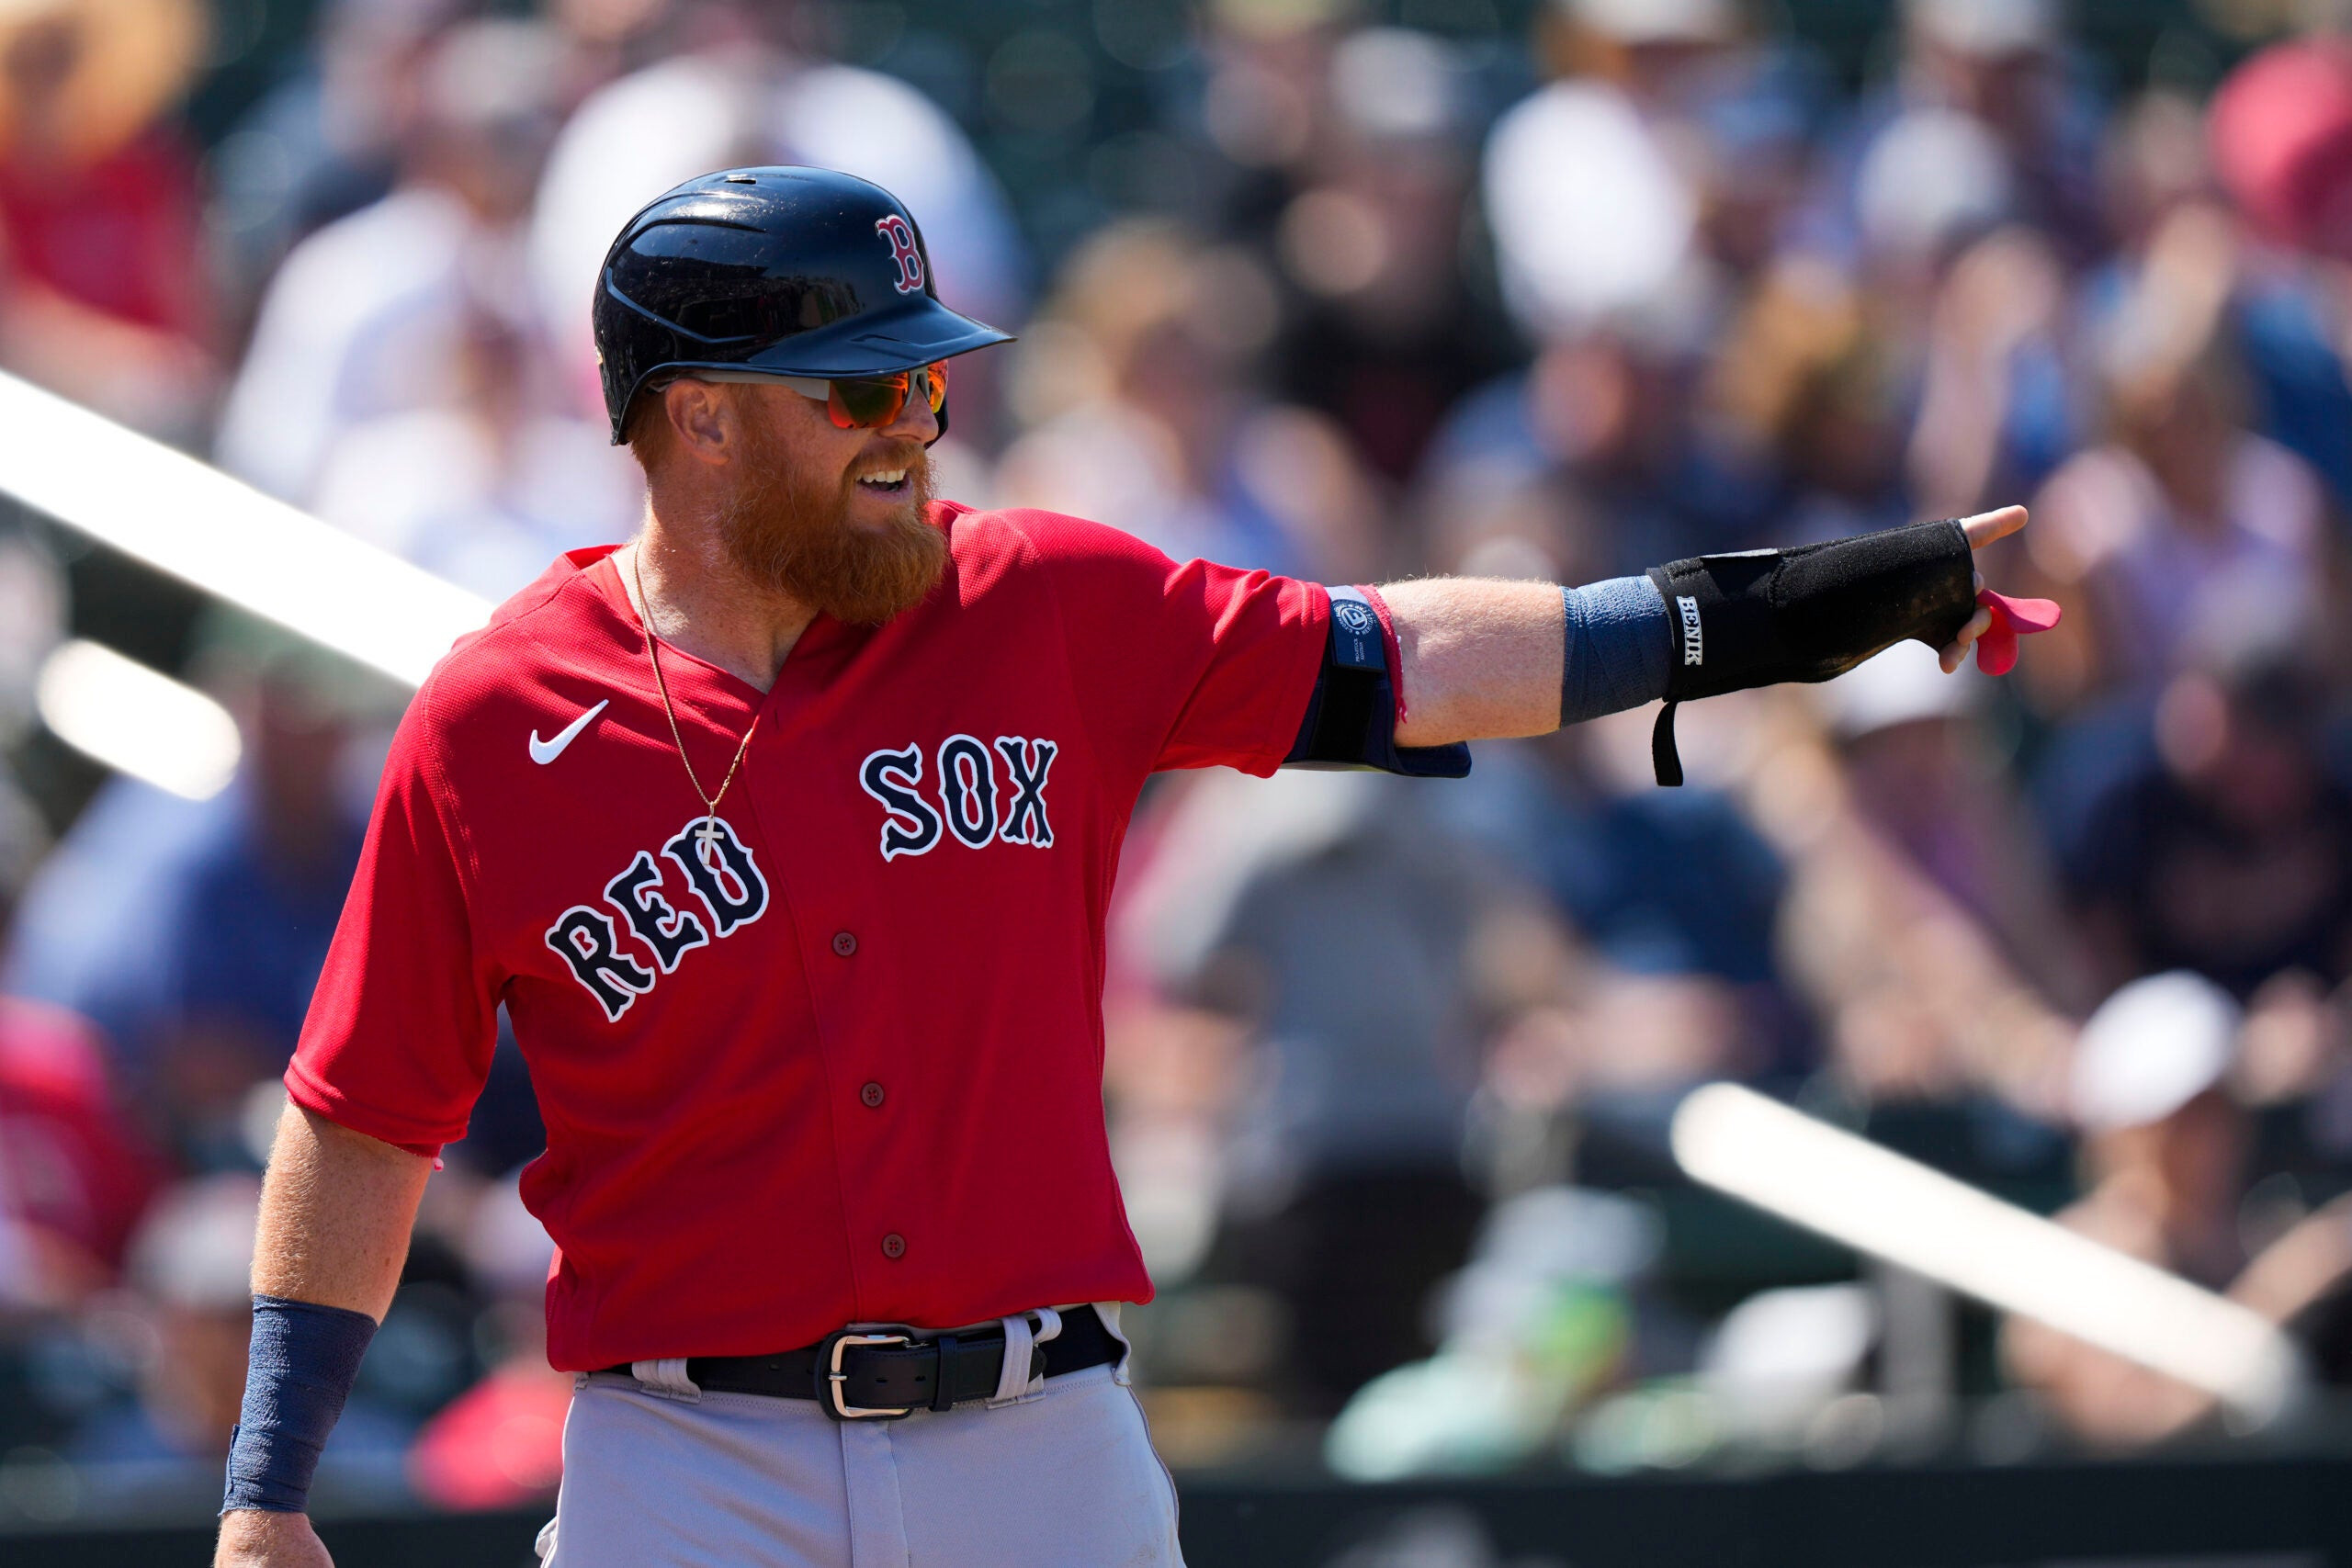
(798, 540)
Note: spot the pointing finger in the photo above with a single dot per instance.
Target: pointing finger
(1987, 527)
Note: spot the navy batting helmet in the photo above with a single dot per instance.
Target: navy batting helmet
(800, 271)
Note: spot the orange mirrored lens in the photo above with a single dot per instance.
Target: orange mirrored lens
(871, 403)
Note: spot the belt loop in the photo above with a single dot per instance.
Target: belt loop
(666, 1378)
(1021, 1341)
(1122, 1369)
(1013, 1381)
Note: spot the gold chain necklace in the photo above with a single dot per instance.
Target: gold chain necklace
(707, 834)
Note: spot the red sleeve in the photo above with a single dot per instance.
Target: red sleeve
(1180, 664)
(401, 1029)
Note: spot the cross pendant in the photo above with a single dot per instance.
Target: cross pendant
(708, 834)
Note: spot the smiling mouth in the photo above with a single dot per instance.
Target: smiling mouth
(885, 481)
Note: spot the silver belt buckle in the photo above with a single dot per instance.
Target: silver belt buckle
(828, 1371)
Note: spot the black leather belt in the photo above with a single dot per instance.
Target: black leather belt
(857, 1375)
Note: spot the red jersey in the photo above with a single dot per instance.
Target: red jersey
(840, 1060)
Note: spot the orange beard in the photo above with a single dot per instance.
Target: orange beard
(798, 538)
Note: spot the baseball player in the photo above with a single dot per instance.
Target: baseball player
(784, 834)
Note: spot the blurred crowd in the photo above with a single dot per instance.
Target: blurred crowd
(1353, 292)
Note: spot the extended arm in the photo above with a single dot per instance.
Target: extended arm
(1485, 659)
(335, 1213)
(1482, 658)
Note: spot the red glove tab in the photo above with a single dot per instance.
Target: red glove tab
(1997, 650)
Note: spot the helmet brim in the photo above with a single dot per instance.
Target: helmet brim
(917, 333)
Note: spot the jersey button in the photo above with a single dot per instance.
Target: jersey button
(893, 1246)
(871, 1094)
(844, 944)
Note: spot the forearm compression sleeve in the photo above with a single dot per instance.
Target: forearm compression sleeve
(1618, 648)
(304, 1359)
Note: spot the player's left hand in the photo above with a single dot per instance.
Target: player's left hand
(1999, 619)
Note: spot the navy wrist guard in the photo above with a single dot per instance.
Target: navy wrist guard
(1759, 617)
(304, 1359)
(1351, 720)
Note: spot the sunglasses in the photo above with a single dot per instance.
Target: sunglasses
(855, 402)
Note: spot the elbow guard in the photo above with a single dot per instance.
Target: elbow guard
(1759, 617)
(1351, 720)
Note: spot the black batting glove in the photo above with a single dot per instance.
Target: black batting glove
(1759, 617)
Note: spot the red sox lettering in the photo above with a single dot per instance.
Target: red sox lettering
(984, 795)
(727, 885)
(972, 807)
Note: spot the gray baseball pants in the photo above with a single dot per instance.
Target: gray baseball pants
(1059, 1473)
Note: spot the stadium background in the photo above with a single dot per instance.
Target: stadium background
(1354, 291)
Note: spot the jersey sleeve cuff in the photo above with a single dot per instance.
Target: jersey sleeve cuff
(416, 1137)
(1313, 622)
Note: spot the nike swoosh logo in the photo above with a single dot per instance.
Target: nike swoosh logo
(546, 752)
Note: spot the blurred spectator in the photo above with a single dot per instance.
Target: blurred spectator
(1138, 382)
(1805, 375)
(1916, 995)
(1334, 924)
(1607, 413)
(1675, 896)
(2003, 66)
(2165, 1147)
(1997, 403)
(368, 317)
(2165, 1150)
(2185, 535)
(433, 425)
(1590, 187)
(488, 485)
(324, 142)
(1646, 968)
(1922, 774)
(193, 933)
(2282, 138)
(2231, 855)
(99, 297)
(75, 1175)
(1589, 212)
(186, 1323)
(2163, 156)
(1684, 96)
(1377, 332)
(74, 1170)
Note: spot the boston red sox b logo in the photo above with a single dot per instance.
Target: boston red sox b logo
(902, 236)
